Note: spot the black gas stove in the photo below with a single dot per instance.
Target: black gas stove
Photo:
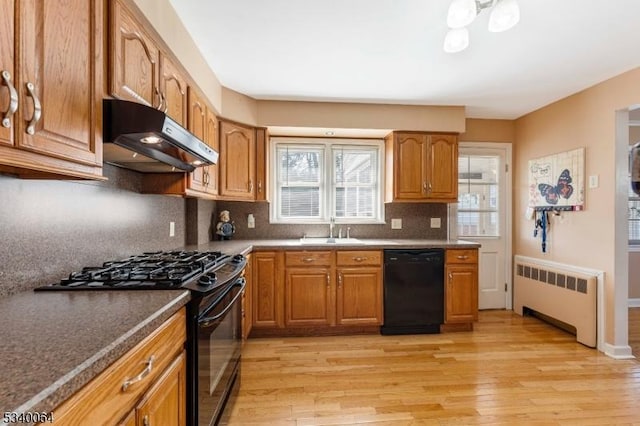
(201, 272)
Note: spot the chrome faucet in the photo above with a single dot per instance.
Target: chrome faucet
(332, 223)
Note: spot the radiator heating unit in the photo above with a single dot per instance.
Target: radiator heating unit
(562, 294)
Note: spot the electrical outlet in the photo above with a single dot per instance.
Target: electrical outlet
(435, 222)
(251, 221)
(593, 181)
(396, 223)
(172, 229)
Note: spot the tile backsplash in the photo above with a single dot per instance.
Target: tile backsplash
(49, 228)
(415, 222)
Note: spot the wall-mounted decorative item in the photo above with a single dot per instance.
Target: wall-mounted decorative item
(556, 182)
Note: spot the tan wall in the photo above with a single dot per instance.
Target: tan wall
(239, 107)
(165, 21)
(483, 130)
(361, 116)
(586, 119)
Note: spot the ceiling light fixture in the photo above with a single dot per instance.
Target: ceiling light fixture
(505, 14)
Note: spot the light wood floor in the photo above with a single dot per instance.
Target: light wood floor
(634, 331)
(510, 370)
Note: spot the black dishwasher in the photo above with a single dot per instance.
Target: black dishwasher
(413, 291)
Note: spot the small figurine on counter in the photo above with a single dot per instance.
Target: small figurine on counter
(225, 227)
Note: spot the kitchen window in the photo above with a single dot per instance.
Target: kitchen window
(314, 180)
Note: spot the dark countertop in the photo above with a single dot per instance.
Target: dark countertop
(245, 246)
(53, 343)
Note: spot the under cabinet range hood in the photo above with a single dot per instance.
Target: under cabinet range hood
(142, 138)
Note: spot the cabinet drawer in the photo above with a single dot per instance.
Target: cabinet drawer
(106, 399)
(359, 258)
(467, 256)
(307, 258)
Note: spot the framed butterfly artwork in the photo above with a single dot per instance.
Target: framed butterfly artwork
(556, 182)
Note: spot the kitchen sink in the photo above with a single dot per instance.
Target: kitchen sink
(330, 241)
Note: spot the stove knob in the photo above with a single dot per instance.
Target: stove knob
(238, 258)
(203, 280)
(212, 277)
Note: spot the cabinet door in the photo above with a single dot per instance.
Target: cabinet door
(134, 59)
(262, 140)
(359, 296)
(442, 169)
(165, 402)
(7, 72)
(461, 294)
(173, 88)
(197, 126)
(268, 295)
(409, 166)
(237, 162)
(308, 300)
(60, 84)
(212, 140)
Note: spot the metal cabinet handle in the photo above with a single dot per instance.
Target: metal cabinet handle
(37, 109)
(359, 259)
(328, 280)
(141, 376)
(159, 95)
(145, 421)
(13, 99)
(308, 259)
(463, 257)
(250, 186)
(429, 190)
(340, 279)
(205, 175)
(163, 103)
(424, 186)
(259, 187)
(450, 276)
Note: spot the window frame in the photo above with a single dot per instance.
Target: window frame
(327, 184)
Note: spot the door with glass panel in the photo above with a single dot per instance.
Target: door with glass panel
(482, 215)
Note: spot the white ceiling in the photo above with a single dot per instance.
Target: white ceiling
(390, 51)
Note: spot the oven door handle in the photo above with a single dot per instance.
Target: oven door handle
(205, 322)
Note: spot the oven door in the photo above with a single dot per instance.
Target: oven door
(219, 331)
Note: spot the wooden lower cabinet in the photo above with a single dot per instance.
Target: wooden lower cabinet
(147, 385)
(461, 286)
(268, 292)
(324, 291)
(308, 297)
(164, 403)
(359, 296)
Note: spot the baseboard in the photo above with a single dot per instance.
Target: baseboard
(618, 352)
(634, 303)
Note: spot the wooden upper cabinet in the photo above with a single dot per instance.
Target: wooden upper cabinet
(424, 167)
(212, 139)
(173, 89)
(409, 168)
(262, 150)
(8, 92)
(53, 125)
(197, 126)
(442, 169)
(237, 163)
(135, 59)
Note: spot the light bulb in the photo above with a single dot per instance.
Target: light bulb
(456, 40)
(461, 13)
(504, 15)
